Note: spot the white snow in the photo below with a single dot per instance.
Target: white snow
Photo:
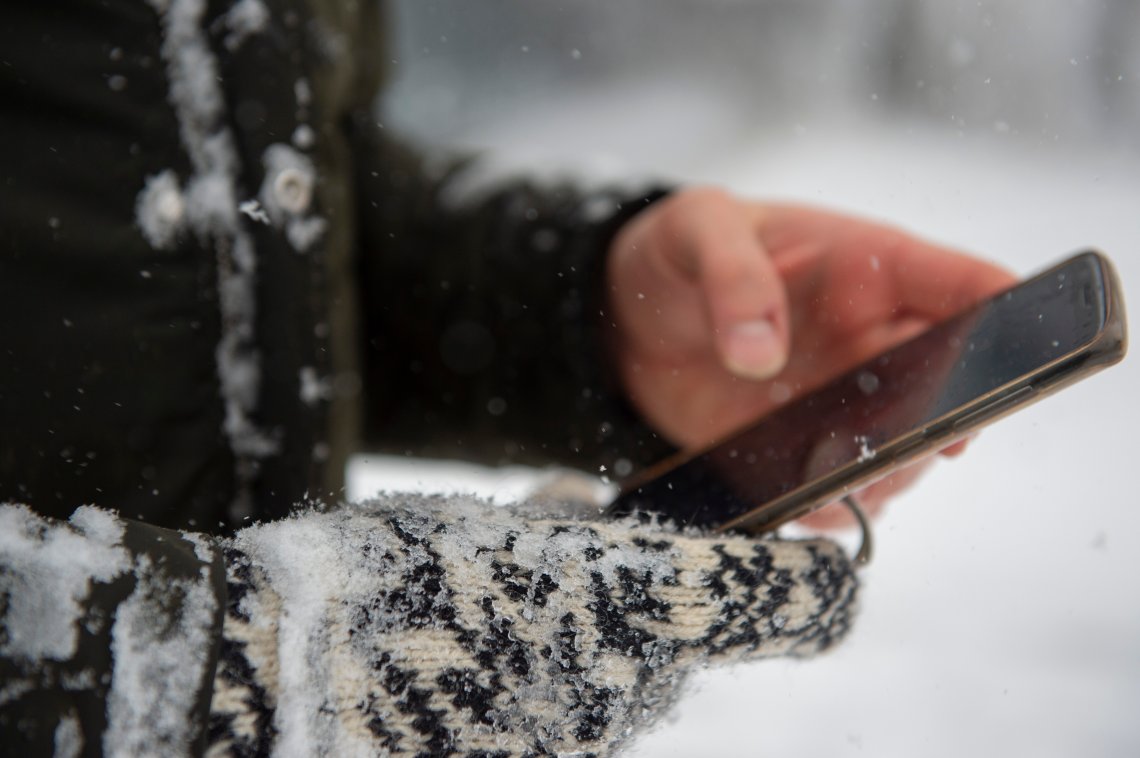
(211, 203)
(212, 209)
(67, 741)
(158, 667)
(159, 210)
(866, 452)
(370, 474)
(313, 389)
(50, 568)
(303, 233)
(253, 210)
(305, 589)
(245, 17)
(203, 547)
(304, 137)
(303, 93)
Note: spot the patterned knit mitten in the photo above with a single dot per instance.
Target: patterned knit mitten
(433, 626)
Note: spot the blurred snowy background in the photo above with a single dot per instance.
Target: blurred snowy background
(1002, 613)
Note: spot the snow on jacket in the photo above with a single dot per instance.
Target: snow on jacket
(218, 272)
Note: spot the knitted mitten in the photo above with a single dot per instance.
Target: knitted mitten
(434, 626)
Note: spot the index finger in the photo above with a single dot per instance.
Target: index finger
(935, 283)
(924, 279)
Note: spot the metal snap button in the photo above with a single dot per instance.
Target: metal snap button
(293, 190)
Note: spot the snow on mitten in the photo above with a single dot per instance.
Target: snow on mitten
(438, 626)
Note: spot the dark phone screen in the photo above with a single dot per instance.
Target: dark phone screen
(899, 393)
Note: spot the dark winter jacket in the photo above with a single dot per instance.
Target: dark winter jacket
(218, 271)
(218, 276)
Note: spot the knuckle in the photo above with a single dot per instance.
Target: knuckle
(684, 215)
(705, 198)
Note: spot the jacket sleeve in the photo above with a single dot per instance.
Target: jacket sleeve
(109, 635)
(484, 313)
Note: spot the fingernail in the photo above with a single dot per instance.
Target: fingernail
(754, 350)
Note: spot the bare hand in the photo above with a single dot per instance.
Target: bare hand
(726, 308)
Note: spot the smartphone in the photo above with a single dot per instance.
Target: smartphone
(909, 402)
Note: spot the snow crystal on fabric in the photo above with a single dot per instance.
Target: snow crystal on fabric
(160, 642)
(212, 211)
(303, 233)
(14, 690)
(304, 137)
(49, 568)
(253, 210)
(203, 547)
(313, 388)
(211, 206)
(303, 93)
(160, 210)
(68, 737)
(193, 72)
(246, 17)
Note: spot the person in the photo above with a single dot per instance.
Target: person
(220, 274)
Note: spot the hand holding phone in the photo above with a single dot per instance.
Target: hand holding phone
(908, 402)
(723, 309)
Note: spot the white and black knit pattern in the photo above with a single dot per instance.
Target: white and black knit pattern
(433, 627)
